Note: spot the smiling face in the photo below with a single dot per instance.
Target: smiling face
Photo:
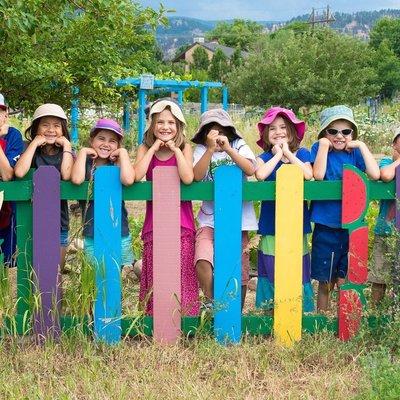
(50, 128)
(165, 126)
(277, 132)
(339, 141)
(105, 142)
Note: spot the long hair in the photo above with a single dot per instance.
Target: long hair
(31, 132)
(293, 140)
(179, 139)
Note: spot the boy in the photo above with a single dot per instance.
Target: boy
(11, 147)
(380, 274)
(337, 145)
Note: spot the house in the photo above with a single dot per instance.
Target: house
(209, 47)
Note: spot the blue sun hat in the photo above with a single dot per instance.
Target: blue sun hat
(335, 113)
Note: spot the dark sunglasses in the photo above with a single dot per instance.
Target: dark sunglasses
(344, 132)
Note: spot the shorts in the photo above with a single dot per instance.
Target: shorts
(63, 238)
(204, 250)
(127, 257)
(330, 253)
(380, 271)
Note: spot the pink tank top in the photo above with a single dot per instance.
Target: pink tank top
(187, 219)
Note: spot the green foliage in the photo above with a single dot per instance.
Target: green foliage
(318, 67)
(241, 33)
(200, 59)
(48, 47)
(387, 29)
(219, 66)
(236, 59)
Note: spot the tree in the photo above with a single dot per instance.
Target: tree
(48, 47)
(387, 29)
(236, 59)
(219, 66)
(200, 59)
(240, 33)
(318, 67)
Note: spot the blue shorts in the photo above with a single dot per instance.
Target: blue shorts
(127, 256)
(63, 238)
(329, 255)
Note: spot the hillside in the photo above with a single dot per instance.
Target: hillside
(183, 30)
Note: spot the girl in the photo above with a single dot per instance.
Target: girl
(49, 145)
(219, 143)
(164, 145)
(105, 149)
(280, 136)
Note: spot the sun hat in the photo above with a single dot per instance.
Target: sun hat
(159, 106)
(335, 113)
(49, 110)
(270, 116)
(396, 134)
(107, 124)
(3, 105)
(218, 116)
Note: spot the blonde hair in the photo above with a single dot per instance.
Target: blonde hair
(293, 140)
(179, 139)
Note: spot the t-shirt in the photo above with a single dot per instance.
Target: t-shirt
(329, 212)
(87, 208)
(54, 160)
(267, 213)
(206, 213)
(13, 145)
(387, 210)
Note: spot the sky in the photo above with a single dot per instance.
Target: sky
(263, 10)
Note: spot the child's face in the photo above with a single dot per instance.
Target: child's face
(50, 128)
(336, 134)
(105, 142)
(277, 132)
(396, 148)
(3, 117)
(222, 131)
(165, 128)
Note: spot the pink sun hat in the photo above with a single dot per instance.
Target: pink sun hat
(269, 117)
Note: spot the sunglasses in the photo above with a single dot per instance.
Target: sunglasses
(334, 132)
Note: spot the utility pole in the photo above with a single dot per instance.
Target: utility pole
(326, 17)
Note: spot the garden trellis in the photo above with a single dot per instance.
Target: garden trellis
(37, 202)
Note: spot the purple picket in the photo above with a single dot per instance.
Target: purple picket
(398, 197)
(46, 252)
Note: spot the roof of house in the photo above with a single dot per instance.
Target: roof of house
(213, 46)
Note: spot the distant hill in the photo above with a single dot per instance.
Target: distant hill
(183, 30)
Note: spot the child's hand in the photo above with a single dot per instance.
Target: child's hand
(61, 141)
(115, 155)
(211, 140)
(157, 145)
(91, 153)
(4, 129)
(277, 149)
(223, 142)
(353, 144)
(170, 144)
(285, 149)
(39, 140)
(324, 142)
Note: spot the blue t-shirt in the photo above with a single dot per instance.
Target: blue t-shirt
(14, 145)
(386, 218)
(266, 225)
(329, 212)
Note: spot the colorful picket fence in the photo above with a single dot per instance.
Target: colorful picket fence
(38, 252)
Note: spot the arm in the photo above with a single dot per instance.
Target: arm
(201, 167)
(25, 161)
(6, 171)
(388, 172)
(184, 159)
(319, 168)
(127, 173)
(143, 158)
(371, 166)
(264, 170)
(305, 166)
(67, 158)
(78, 172)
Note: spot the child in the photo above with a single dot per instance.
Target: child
(280, 136)
(11, 147)
(337, 145)
(379, 276)
(105, 149)
(219, 143)
(165, 145)
(49, 145)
